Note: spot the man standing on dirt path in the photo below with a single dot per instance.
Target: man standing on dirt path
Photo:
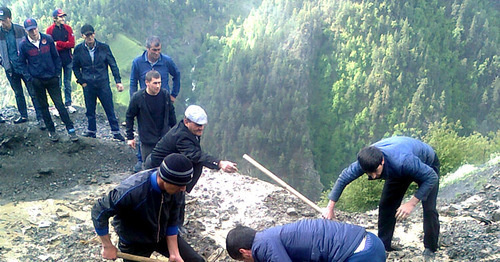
(65, 41)
(11, 35)
(90, 65)
(153, 59)
(42, 66)
(184, 138)
(154, 111)
(400, 161)
(146, 209)
(306, 240)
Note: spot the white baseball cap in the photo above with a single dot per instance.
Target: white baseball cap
(196, 114)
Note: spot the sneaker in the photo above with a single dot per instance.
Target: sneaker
(53, 136)
(428, 255)
(89, 134)
(138, 166)
(118, 136)
(41, 124)
(20, 120)
(71, 109)
(2, 120)
(393, 248)
(72, 135)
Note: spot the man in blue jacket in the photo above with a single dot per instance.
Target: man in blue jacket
(400, 161)
(317, 240)
(145, 208)
(154, 111)
(153, 59)
(91, 60)
(11, 35)
(42, 66)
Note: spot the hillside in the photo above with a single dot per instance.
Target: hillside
(45, 204)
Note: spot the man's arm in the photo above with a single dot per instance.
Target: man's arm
(134, 77)
(173, 249)
(112, 64)
(132, 112)
(176, 78)
(77, 67)
(55, 56)
(61, 45)
(108, 250)
(349, 174)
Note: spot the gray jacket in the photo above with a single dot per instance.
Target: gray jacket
(4, 53)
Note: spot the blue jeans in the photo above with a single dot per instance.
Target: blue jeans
(41, 87)
(374, 253)
(102, 91)
(67, 70)
(15, 83)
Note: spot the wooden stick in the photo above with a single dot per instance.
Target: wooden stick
(281, 182)
(137, 258)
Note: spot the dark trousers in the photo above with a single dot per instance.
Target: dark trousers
(144, 150)
(102, 91)
(392, 195)
(186, 251)
(66, 84)
(15, 83)
(51, 86)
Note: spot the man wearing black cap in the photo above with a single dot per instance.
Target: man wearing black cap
(42, 65)
(11, 35)
(146, 209)
(90, 65)
(65, 41)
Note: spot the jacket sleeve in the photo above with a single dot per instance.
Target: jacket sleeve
(102, 210)
(349, 174)
(77, 66)
(176, 78)
(21, 62)
(134, 77)
(61, 45)
(171, 113)
(130, 116)
(55, 56)
(159, 152)
(112, 64)
(271, 251)
(188, 148)
(422, 174)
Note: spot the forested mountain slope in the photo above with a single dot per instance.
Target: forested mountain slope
(301, 86)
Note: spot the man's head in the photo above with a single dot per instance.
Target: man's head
(195, 119)
(174, 173)
(6, 17)
(153, 46)
(239, 242)
(59, 16)
(31, 27)
(371, 161)
(153, 82)
(88, 34)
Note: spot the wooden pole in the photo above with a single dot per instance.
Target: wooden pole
(137, 258)
(281, 182)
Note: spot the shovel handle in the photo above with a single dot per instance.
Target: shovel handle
(136, 258)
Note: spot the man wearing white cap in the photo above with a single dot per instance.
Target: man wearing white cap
(184, 138)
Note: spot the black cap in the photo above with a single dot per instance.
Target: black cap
(5, 13)
(176, 169)
(87, 29)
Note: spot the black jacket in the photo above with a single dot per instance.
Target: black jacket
(180, 140)
(95, 72)
(142, 212)
(148, 132)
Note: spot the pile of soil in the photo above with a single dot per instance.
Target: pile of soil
(47, 190)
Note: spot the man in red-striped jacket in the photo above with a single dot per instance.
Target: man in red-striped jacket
(65, 41)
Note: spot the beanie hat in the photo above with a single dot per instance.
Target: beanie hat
(176, 169)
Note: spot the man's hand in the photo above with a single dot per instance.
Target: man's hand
(405, 210)
(173, 258)
(108, 250)
(172, 98)
(131, 143)
(228, 166)
(329, 212)
(119, 87)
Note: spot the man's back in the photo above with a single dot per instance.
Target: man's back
(308, 240)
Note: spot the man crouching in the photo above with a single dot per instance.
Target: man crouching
(146, 208)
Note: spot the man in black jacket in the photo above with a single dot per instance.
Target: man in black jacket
(154, 111)
(90, 65)
(145, 207)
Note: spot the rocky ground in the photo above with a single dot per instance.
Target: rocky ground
(47, 190)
